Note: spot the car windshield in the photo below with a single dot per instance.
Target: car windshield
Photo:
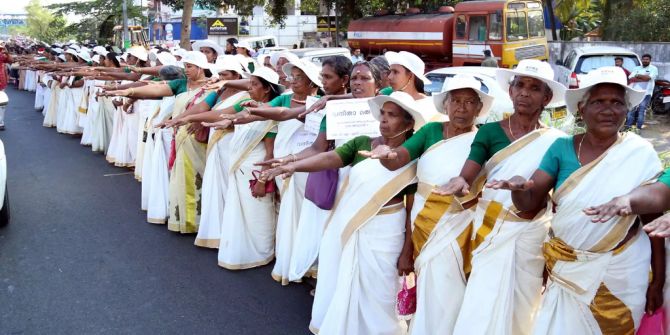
(438, 81)
(588, 63)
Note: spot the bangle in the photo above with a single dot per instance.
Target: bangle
(132, 92)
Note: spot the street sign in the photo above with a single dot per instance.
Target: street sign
(325, 23)
(222, 26)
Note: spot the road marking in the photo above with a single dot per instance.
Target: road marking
(118, 174)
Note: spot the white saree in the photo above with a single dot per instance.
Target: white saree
(358, 276)
(144, 109)
(596, 287)
(215, 179)
(503, 289)
(293, 195)
(441, 236)
(155, 170)
(51, 112)
(248, 228)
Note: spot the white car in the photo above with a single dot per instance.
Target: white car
(557, 117)
(4, 209)
(316, 55)
(580, 61)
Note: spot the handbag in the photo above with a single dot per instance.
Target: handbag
(201, 135)
(652, 324)
(406, 303)
(270, 187)
(321, 188)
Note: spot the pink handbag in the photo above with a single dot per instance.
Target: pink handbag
(406, 304)
(652, 324)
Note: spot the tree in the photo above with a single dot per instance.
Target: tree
(43, 25)
(98, 17)
(645, 21)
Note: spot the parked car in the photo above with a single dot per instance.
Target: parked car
(580, 61)
(4, 207)
(316, 55)
(556, 117)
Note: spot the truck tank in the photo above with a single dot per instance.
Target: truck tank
(427, 35)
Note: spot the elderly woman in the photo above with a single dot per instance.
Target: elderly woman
(366, 232)
(594, 266)
(438, 248)
(510, 253)
(187, 157)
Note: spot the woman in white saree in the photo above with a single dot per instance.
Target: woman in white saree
(598, 271)
(215, 179)
(510, 254)
(358, 274)
(439, 248)
(187, 158)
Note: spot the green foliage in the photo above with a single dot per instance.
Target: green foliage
(42, 24)
(644, 21)
(99, 17)
(579, 17)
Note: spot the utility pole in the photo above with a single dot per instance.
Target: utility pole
(126, 37)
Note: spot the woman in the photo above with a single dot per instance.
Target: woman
(210, 49)
(244, 52)
(407, 75)
(102, 122)
(187, 158)
(511, 253)
(71, 92)
(215, 178)
(5, 58)
(594, 266)
(438, 248)
(291, 138)
(358, 275)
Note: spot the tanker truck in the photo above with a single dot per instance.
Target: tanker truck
(511, 29)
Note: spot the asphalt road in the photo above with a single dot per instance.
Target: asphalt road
(79, 258)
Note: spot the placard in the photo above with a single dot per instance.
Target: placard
(350, 118)
(313, 120)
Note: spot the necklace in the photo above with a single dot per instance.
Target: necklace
(509, 125)
(579, 149)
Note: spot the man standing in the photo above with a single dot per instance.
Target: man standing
(642, 78)
(489, 60)
(357, 56)
(618, 62)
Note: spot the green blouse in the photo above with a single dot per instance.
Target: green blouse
(423, 139)
(349, 155)
(665, 177)
(178, 86)
(490, 139)
(560, 160)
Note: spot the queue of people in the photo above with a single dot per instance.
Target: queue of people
(509, 227)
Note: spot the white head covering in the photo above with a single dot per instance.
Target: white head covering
(166, 58)
(461, 81)
(100, 50)
(85, 56)
(180, 52)
(196, 58)
(535, 69)
(410, 61)
(275, 56)
(310, 69)
(402, 99)
(208, 44)
(270, 76)
(139, 52)
(62, 57)
(603, 75)
(95, 58)
(229, 63)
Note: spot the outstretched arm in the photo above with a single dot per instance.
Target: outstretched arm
(527, 195)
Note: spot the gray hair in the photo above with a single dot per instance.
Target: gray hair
(171, 72)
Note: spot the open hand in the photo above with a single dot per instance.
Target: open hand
(380, 152)
(317, 106)
(618, 206)
(456, 186)
(284, 171)
(659, 227)
(516, 183)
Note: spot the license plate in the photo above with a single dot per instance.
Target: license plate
(559, 114)
(666, 99)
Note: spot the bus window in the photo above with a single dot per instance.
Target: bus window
(460, 27)
(495, 27)
(517, 26)
(477, 28)
(536, 23)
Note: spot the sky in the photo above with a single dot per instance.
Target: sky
(17, 6)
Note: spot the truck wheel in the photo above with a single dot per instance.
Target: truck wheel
(4, 213)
